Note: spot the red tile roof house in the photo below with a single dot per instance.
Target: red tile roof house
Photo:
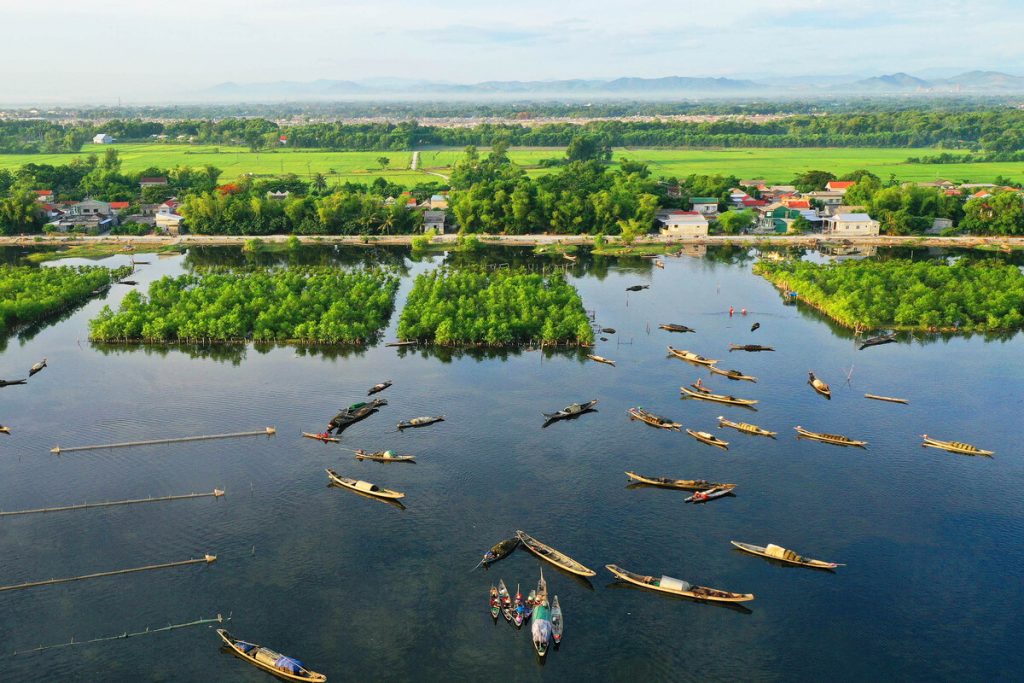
(44, 195)
(839, 185)
(119, 206)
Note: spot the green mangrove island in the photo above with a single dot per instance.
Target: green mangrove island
(908, 295)
(303, 305)
(494, 308)
(30, 294)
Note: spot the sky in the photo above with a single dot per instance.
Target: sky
(102, 50)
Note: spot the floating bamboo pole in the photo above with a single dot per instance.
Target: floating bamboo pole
(217, 493)
(170, 627)
(208, 559)
(889, 399)
(269, 431)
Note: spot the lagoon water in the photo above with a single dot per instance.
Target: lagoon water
(361, 590)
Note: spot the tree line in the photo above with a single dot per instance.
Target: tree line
(994, 130)
(304, 305)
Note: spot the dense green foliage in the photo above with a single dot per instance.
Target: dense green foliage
(995, 130)
(496, 196)
(29, 294)
(987, 295)
(322, 305)
(493, 307)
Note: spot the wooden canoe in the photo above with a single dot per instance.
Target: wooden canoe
(420, 422)
(268, 660)
(507, 608)
(718, 398)
(819, 386)
(384, 456)
(321, 437)
(834, 439)
(709, 439)
(559, 559)
(365, 487)
(500, 551)
(787, 556)
(557, 621)
(710, 494)
(672, 327)
(888, 399)
(652, 419)
(954, 446)
(690, 357)
(377, 388)
(601, 359)
(749, 347)
(684, 484)
(672, 587)
(733, 374)
(745, 427)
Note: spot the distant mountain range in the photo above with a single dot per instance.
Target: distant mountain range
(970, 82)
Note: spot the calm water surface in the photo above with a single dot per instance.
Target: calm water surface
(362, 590)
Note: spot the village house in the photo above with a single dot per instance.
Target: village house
(438, 201)
(44, 196)
(683, 224)
(830, 199)
(152, 182)
(167, 220)
(706, 206)
(102, 139)
(840, 186)
(434, 220)
(851, 224)
(89, 207)
(280, 196)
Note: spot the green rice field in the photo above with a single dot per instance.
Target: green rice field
(773, 165)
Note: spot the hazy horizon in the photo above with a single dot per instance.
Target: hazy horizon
(92, 51)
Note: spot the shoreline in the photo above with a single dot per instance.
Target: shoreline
(815, 240)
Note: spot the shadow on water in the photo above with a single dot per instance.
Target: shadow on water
(552, 420)
(731, 606)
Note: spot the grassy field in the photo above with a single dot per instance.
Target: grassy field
(774, 165)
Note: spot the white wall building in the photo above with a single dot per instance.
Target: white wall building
(684, 224)
(102, 139)
(851, 224)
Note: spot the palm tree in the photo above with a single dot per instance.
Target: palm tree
(319, 183)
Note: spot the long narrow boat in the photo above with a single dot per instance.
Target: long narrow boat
(774, 552)
(420, 422)
(377, 388)
(718, 398)
(555, 557)
(495, 600)
(834, 439)
(519, 616)
(326, 438)
(601, 359)
(571, 410)
(709, 439)
(745, 427)
(500, 551)
(888, 399)
(691, 357)
(667, 584)
(749, 347)
(672, 327)
(384, 456)
(650, 418)
(506, 601)
(954, 446)
(542, 628)
(819, 386)
(557, 621)
(361, 486)
(684, 484)
(710, 494)
(284, 667)
(877, 341)
(733, 374)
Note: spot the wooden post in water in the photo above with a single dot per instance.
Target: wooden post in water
(217, 493)
(269, 431)
(208, 559)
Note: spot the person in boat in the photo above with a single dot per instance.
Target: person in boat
(699, 384)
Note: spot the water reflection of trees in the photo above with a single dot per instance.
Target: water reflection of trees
(199, 257)
(446, 354)
(222, 353)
